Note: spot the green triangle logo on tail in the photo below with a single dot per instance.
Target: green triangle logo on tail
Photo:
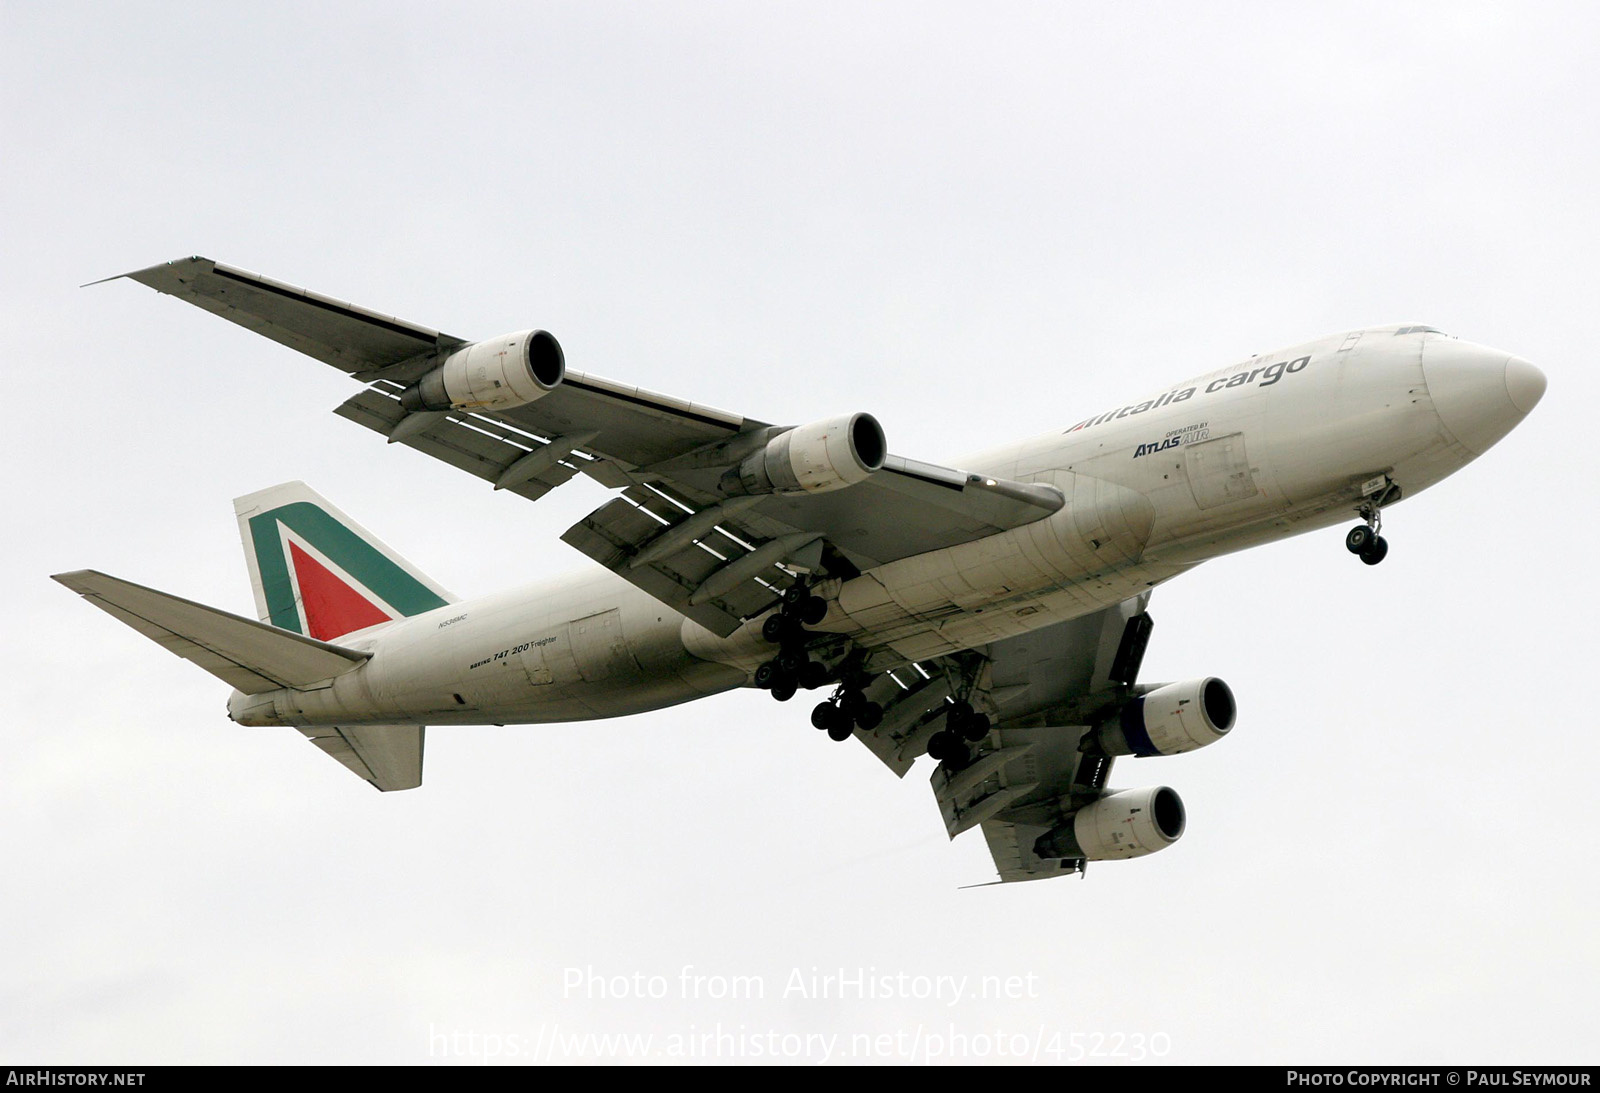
(317, 572)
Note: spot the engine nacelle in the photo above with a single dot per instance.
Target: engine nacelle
(816, 458)
(1173, 718)
(495, 374)
(1125, 823)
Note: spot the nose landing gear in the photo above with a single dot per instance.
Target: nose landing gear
(1363, 540)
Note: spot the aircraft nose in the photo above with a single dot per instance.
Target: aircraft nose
(1524, 383)
(1480, 394)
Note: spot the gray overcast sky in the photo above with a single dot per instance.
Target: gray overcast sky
(978, 225)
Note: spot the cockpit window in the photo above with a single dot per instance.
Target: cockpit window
(1418, 330)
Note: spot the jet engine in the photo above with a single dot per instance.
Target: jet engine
(1173, 718)
(825, 455)
(495, 374)
(1125, 823)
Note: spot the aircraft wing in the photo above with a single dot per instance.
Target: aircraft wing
(1042, 690)
(353, 339)
(673, 532)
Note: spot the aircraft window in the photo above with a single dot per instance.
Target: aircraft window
(1418, 330)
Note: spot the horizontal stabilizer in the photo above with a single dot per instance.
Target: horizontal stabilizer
(388, 756)
(250, 655)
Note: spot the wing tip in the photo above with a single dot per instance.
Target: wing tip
(158, 268)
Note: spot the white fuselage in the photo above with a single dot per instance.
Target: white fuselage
(1272, 447)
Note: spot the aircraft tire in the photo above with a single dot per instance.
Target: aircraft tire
(975, 728)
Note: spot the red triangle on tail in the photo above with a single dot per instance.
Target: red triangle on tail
(332, 607)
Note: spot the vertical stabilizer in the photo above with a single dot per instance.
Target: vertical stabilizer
(317, 572)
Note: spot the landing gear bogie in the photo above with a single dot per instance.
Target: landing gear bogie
(815, 674)
(825, 715)
(792, 662)
(786, 628)
(949, 749)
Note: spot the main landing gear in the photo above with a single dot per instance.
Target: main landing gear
(963, 725)
(846, 711)
(792, 669)
(1363, 540)
(848, 708)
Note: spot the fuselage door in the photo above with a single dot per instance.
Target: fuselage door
(1219, 471)
(598, 646)
(549, 660)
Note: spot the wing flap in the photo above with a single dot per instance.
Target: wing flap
(251, 656)
(474, 443)
(695, 578)
(912, 705)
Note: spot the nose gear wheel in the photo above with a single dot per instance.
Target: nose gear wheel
(1363, 540)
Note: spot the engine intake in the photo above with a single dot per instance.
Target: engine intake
(826, 455)
(1125, 823)
(495, 374)
(1173, 718)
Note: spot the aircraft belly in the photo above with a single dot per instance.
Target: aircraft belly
(591, 647)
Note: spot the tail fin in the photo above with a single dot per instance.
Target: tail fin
(319, 573)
